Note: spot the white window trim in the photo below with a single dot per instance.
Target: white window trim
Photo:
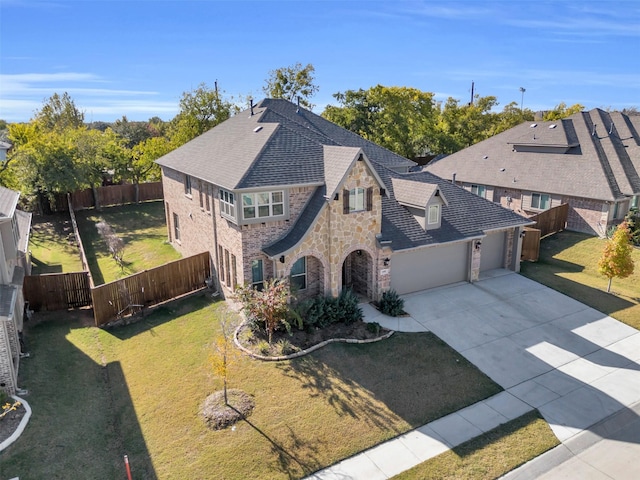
(436, 209)
(540, 197)
(356, 194)
(227, 207)
(256, 206)
(480, 190)
(176, 227)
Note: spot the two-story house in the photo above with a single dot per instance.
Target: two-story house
(15, 226)
(278, 191)
(590, 161)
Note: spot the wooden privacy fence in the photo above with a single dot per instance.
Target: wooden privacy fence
(57, 291)
(129, 295)
(109, 195)
(552, 220)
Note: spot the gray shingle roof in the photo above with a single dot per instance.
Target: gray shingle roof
(297, 147)
(410, 192)
(8, 202)
(602, 158)
(306, 219)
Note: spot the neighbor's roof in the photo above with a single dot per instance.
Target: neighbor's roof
(8, 202)
(593, 154)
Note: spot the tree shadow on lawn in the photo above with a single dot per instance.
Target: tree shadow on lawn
(83, 416)
(417, 376)
(287, 461)
(549, 275)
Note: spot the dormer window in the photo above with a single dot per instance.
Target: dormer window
(227, 204)
(434, 215)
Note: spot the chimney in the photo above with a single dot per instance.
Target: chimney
(251, 106)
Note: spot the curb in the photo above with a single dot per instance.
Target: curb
(23, 423)
(304, 352)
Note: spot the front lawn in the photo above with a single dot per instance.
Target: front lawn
(53, 245)
(310, 412)
(143, 229)
(490, 455)
(569, 263)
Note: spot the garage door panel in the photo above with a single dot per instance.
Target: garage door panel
(429, 267)
(492, 255)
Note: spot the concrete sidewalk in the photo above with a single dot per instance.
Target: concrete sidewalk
(419, 445)
(608, 450)
(574, 364)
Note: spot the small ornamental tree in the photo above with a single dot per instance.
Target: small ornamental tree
(269, 305)
(224, 353)
(616, 258)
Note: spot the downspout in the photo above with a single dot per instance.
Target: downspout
(215, 245)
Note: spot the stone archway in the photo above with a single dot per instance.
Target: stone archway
(357, 270)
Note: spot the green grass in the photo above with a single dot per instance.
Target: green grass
(143, 230)
(569, 263)
(490, 455)
(310, 412)
(52, 245)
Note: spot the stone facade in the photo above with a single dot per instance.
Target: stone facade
(336, 235)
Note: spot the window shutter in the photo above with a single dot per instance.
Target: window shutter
(345, 201)
(369, 199)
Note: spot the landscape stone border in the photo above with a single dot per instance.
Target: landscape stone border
(23, 423)
(306, 351)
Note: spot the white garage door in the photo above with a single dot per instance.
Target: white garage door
(492, 255)
(429, 267)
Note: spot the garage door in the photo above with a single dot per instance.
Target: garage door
(429, 267)
(492, 251)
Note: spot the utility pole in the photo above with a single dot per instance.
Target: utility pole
(522, 90)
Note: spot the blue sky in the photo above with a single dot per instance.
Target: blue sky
(136, 58)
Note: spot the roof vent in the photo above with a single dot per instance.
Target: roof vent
(485, 157)
(553, 125)
(533, 125)
(258, 128)
(502, 169)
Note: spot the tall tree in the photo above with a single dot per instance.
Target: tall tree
(561, 111)
(616, 260)
(291, 83)
(200, 110)
(398, 118)
(460, 126)
(59, 113)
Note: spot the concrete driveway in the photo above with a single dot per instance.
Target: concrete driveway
(574, 364)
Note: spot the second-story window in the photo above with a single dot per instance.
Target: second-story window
(434, 214)
(227, 204)
(358, 199)
(479, 190)
(541, 201)
(262, 205)
(187, 185)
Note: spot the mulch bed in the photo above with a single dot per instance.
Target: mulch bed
(9, 423)
(302, 339)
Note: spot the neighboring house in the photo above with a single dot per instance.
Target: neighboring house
(278, 191)
(4, 148)
(15, 226)
(590, 160)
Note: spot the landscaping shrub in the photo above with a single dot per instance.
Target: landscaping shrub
(285, 347)
(350, 312)
(321, 312)
(374, 327)
(391, 304)
(263, 347)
